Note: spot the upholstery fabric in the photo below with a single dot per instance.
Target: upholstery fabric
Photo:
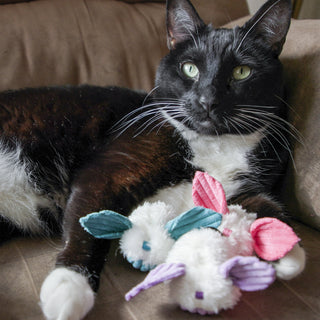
(301, 59)
(102, 42)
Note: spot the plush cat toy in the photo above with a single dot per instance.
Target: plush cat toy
(206, 251)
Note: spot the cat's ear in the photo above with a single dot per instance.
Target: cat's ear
(271, 24)
(183, 21)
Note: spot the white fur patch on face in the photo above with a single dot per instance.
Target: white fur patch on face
(66, 295)
(19, 200)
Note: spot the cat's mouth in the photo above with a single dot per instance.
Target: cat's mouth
(208, 126)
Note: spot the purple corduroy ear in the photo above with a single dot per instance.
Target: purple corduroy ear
(161, 273)
(248, 273)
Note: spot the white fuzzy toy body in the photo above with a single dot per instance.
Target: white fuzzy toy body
(203, 289)
(194, 265)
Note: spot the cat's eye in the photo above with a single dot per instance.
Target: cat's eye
(241, 72)
(190, 70)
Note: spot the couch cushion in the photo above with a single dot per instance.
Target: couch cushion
(301, 59)
(26, 262)
(51, 42)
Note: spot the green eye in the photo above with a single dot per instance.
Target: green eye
(241, 72)
(190, 70)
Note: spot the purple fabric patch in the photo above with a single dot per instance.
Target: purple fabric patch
(161, 273)
(248, 273)
(199, 295)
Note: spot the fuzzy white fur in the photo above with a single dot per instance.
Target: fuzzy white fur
(238, 221)
(203, 251)
(148, 222)
(19, 199)
(292, 264)
(66, 295)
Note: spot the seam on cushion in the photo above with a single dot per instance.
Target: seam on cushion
(252, 307)
(35, 291)
(299, 297)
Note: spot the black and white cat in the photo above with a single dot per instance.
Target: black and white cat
(217, 107)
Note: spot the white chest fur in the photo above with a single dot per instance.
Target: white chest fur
(223, 157)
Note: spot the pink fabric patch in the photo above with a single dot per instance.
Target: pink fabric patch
(226, 232)
(273, 239)
(208, 192)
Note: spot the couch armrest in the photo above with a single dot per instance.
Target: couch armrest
(301, 59)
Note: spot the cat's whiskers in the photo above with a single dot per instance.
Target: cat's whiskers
(175, 112)
(276, 127)
(130, 119)
(149, 94)
(122, 122)
(167, 120)
(282, 140)
(234, 123)
(252, 127)
(155, 115)
(278, 121)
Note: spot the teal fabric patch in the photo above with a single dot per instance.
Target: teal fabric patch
(196, 218)
(105, 224)
(146, 246)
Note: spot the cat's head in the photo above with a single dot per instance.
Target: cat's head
(220, 81)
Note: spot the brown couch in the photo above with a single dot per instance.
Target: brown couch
(104, 42)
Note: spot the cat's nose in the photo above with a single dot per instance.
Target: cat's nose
(208, 104)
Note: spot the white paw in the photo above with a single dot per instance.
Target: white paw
(66, 295)
(292, 264)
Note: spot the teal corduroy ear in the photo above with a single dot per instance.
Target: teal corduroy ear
(196, 218)
(105, 224)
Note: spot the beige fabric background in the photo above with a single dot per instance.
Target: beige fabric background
(301, 58)
(51, 42)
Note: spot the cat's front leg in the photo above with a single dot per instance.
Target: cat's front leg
(294, 262)
(68, 292)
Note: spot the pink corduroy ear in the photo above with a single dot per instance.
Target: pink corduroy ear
(208, 192)
(272, 238)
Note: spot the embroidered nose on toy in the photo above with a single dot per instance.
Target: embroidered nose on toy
(146, 246)
(199, 295)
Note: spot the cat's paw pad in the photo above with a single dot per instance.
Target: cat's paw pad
(292, 264)
(66, 295)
